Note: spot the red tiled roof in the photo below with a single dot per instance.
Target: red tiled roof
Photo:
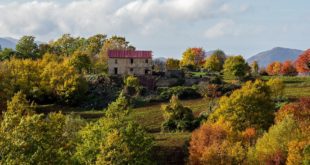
(129, 54)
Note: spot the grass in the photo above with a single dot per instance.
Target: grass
(295, 87)
(151, 117)
(198, 74)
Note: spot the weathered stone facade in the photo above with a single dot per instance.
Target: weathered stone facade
(130, 62)
(130, 66)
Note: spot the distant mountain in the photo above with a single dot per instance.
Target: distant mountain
(8, 43)
(209, 53)
(275, 54)
(161, 59)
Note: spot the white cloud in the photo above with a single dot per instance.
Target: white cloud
(49, 19)
(222, 28)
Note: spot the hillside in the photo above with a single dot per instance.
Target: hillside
(275, 54)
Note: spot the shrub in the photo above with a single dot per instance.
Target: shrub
(177, 117)
(181, 92)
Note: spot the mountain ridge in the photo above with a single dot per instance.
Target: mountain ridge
(275, 54)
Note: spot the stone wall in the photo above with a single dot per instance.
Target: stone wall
(124, 66)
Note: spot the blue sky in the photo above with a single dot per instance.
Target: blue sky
(167, 27)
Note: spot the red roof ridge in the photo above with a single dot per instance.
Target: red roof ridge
(129, 54)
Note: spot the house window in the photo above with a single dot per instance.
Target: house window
(115, 71)
(146, 71)
(131, 69)
(146, 60)
(115, 61)
(131, 60)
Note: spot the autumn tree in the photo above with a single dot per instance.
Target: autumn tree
(214, 144)
(193, 58)
(172, 64)
(235, 67)
(20, 105)
(272, 148)
(274, 68)
(27, 47)
(288, 69)
(63, 82)
(297, 148)
(299, 111)
(114, 43)
(303, 62)
(248, 107)
(23, 141)
(20, 75)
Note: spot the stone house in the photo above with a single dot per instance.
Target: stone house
(129, 62)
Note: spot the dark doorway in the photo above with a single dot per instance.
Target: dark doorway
(115, 71)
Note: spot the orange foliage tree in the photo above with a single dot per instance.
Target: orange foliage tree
(193, 58)
(303, 62)
(288, 69)
(274, 68)
(300, 111)
(212, 144)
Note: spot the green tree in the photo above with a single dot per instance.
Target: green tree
(27, 47)
(94, 44)
(66, 45)
(6, 54)
(248, 107)
(80, 61)
(128, 145)
(114, 140)
(177, 117)
(235, 67)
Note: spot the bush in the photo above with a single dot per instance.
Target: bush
(177, 117)
(180, 91)
(102, 91)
